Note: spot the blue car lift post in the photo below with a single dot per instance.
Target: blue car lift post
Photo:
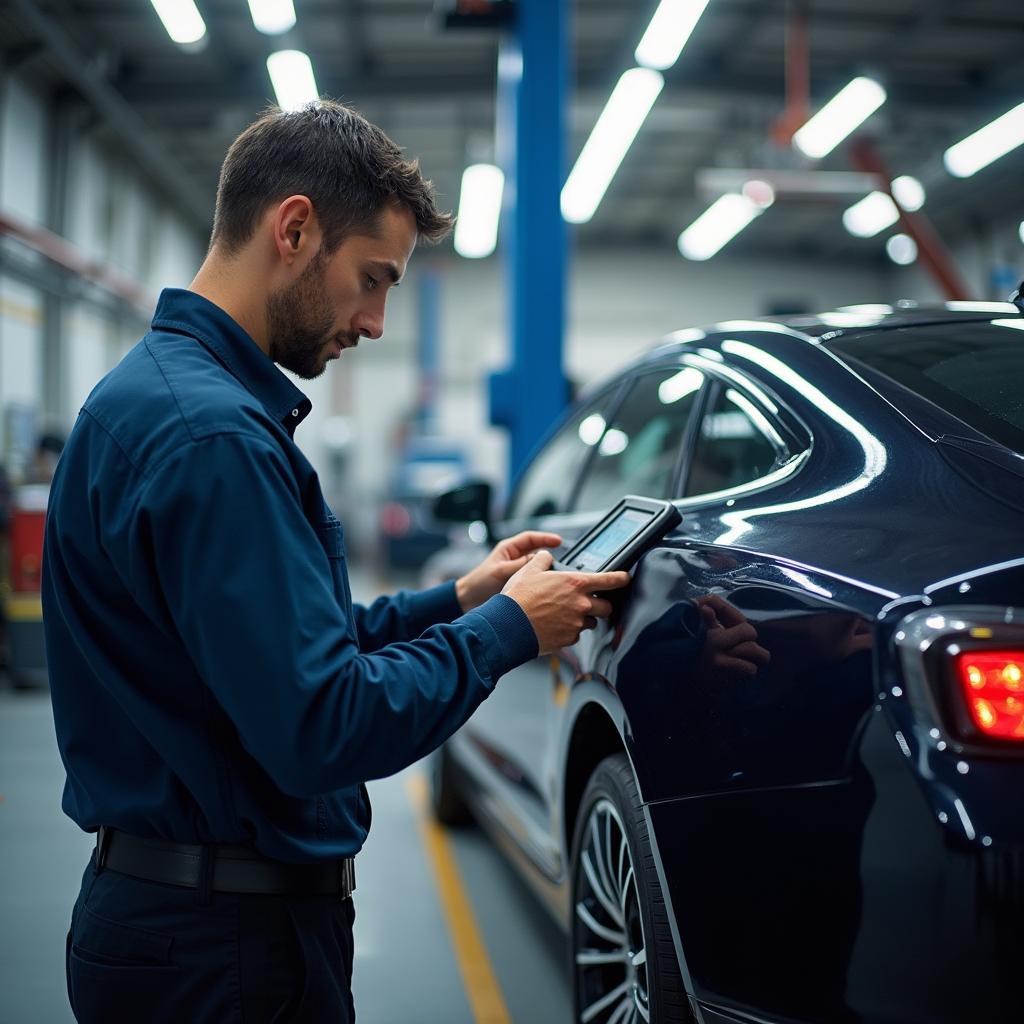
(529, 395)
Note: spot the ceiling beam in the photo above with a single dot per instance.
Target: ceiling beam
(697, 82)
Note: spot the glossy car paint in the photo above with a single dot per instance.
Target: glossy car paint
(830, 852)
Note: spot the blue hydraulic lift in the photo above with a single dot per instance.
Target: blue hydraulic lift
(528, 395)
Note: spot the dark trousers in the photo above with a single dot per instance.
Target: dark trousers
(145, 952)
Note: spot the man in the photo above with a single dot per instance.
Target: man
(218, 699)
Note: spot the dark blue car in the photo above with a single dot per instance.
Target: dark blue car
(785, 781)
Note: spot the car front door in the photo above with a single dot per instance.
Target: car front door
(636, 450)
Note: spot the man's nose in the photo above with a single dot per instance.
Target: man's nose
(369, 325)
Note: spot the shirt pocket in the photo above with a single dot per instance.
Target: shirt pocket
(332, 539)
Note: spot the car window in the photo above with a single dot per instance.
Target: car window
(972, 371)
(546, 485)
(639, 451)
(734, 445)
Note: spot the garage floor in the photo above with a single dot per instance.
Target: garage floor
(415, 884)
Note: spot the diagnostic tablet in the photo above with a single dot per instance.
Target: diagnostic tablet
(619, 539)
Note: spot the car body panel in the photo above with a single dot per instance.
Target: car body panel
(828, 852)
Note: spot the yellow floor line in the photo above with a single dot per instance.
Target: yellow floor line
(482, 989)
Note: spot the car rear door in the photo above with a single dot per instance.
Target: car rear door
(756, 803)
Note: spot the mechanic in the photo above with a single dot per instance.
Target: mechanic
(218, 698)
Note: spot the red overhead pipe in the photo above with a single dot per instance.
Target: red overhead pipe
(64, 254)
(934, 254)
(798, 74)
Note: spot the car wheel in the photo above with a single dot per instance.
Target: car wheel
(623, 960)
(449, 806)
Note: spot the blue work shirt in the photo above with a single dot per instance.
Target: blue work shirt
(212, 680)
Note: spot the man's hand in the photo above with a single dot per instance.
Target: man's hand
(560, 605)
(508, 557)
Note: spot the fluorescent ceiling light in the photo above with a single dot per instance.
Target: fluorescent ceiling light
(876, 211)
(292, 76)
(182, 20)
(668, 31)
(986, 144)
(476, 230)
(843, 114)
(722, 221)
(624, 113)
(902, 249)
(909, 192)
(272, 17)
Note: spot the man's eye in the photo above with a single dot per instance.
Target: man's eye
(371, 282)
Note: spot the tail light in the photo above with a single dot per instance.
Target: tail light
(963, 669)
(992, 685)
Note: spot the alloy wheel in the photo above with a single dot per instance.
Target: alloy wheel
(610, 954)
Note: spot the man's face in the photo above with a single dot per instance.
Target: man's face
(338, 299)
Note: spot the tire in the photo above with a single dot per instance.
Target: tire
(445, 798)
(620, 937)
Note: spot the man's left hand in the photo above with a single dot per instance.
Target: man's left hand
(507, 557)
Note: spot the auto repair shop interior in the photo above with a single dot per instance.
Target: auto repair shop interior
(759, 260)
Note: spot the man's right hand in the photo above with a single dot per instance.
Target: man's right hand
(560, 605)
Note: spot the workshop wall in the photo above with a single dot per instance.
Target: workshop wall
(112, 216)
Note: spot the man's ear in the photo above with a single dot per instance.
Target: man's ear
(296, 230)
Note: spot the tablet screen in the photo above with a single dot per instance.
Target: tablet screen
(616, 535)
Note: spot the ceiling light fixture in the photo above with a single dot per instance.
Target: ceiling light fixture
(876, 211)
(842, 115)
(902, 249)
(624, 113)
(291, 73)
(476, 230)
(182, 20)
(272, 17)
(668, 32)
(909, 192)
(721, 222)
(987, 144)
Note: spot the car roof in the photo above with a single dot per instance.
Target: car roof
(848, 319)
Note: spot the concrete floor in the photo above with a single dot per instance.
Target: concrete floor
(405, 969)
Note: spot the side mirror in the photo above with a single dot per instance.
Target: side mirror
(469, 503)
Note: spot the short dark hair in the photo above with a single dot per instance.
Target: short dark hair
(347, 167)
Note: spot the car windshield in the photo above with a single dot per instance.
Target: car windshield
(974, 371)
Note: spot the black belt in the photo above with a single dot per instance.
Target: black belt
(237, 869)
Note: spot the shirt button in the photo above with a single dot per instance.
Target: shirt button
(295, 412)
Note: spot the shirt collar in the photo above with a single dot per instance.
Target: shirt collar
(181, 310)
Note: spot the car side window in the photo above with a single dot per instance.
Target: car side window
(546, 484)
(737, 444)
(639, 451)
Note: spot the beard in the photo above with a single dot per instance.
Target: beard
(299, 322)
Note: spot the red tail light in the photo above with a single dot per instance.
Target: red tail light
(992, 685)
